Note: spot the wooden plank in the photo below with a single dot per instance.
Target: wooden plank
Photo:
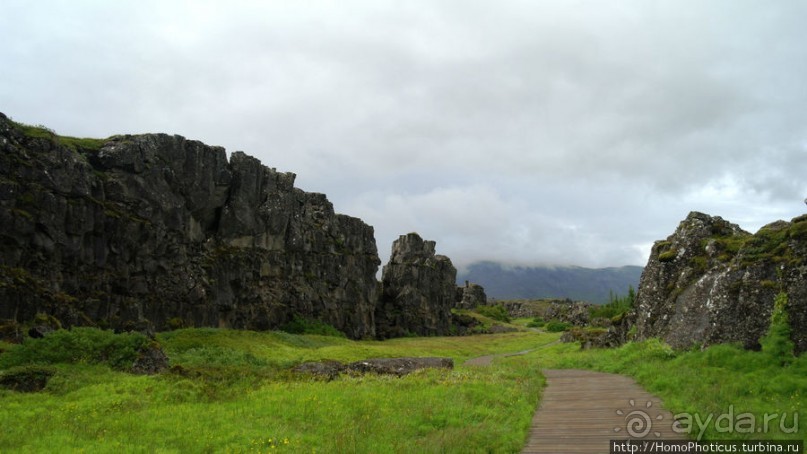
(581, 411)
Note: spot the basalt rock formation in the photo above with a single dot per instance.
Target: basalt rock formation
(711, 282)
(568, 311)
(157, 231)
(470, 296)
(418, 290)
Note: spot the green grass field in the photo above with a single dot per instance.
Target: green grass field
(231, 391)
(235, 394)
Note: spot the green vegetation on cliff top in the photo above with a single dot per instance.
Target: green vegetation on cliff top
(74, 143)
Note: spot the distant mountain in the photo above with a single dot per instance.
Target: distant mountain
(587, 284)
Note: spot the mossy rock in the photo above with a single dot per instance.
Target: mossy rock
(11, 331)
(26, 379)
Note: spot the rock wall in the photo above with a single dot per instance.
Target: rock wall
(163, 232)
(712, 282)
(417, 290)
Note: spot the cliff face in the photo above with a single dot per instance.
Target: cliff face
(158, 230)
(712, 282)
(418, 290)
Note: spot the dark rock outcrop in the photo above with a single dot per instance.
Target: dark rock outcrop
(568, 311)
(417, 290)
(399, 366)
(26, 379)
(464, 324)
(617, 333)
(711, 282)
(382, 366)
(470, 296)
(328, 369)
(151, 359)
(524, 308)
(561, 309)
(159, 230)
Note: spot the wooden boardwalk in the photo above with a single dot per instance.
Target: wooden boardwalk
(581, 411)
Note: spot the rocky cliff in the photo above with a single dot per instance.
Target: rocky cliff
(712, 282)
(159, 231)
(417, 290)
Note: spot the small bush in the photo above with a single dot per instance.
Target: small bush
(555, 326)
(537, 322)
(497, 312)
(78, 345)
(300, 325)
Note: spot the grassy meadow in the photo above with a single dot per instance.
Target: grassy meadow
(232, 391)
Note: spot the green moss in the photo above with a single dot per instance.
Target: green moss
(798, 230)
(768, 284)
(22, 213)
(771, 243)
(176, 323)
(731, 245)
(76, 144)
(700, 264)
(14, 277)
(668, 256)
(47, 319)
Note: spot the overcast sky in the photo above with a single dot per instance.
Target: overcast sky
(526, 132)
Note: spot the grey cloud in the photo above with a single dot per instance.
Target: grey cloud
(530, 132)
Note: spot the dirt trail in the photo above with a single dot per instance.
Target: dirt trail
(581, 411)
